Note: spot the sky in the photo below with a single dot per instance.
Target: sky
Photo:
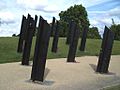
(100, 12)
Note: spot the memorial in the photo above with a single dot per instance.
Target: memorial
(28, 40)
(41, 48)
(105, 52)
(22, 35)
(69, 34)
(36, 18)
(53, 26)
(73, 43)
(55, 38)
(83, 38)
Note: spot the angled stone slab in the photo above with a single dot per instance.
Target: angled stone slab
(83, 38)
(69, 34)
(53, 26)
(105, 52)
(28, 41)
(55, 38)
(21, 35)
(41, 48)
(73, 43)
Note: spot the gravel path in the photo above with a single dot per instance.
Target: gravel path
(60, 75)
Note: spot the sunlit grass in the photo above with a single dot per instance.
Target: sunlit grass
(8, 48)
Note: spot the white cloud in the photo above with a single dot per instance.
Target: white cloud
(7, 17)
(102, 18)
(105, 21)
(8, 30)
(39, 5)
(94, 22)
(33, 4)
(2, 5)
(89, 3)
(49, 8)
(114, 12)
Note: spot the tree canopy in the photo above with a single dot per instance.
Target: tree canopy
(93, 33)
(116, 29)
(77, 13)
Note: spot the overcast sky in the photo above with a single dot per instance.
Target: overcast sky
(100, 12)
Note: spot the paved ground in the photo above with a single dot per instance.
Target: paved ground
(61, 75)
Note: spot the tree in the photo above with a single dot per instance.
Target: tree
(93, 33)
(14, 35)
(77, 13)
(116, 29)
(63, 27)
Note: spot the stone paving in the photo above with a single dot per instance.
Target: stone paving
(60, 75)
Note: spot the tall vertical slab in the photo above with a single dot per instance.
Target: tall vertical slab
(52, 26)
(28, 41)
(36, 18)
(73, 43)
(69, 34)
(55, 38)
(83, 39)
(41, 48)
(101, 55)
(21, 36)
(105, 52)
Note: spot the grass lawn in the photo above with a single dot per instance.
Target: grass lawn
(8, 48)
(117, 87)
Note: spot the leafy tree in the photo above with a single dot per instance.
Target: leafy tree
(14, 35)
(93, 33)
(63, 27)
(116, 29)
(77, 13)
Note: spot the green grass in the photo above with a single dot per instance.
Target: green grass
(8, 48)
(117, 87)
